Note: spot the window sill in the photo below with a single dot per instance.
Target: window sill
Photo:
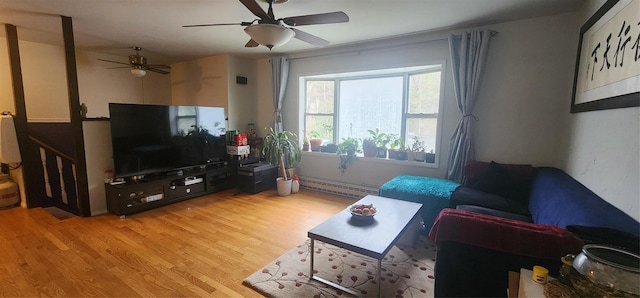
(377, 160)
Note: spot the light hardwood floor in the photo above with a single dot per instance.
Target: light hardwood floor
(204, 246)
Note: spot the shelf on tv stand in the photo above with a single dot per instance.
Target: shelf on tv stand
(140, 195)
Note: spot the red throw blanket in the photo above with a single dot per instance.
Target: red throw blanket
(506, 235)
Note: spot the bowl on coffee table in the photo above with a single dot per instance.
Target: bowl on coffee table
(362, 212)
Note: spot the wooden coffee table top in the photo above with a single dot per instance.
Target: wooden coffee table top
(371, 238)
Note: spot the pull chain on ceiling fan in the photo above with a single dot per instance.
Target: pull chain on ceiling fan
(138, 65)
(271, 32)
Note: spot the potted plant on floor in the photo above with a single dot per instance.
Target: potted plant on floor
(348, 150)
(281, 149)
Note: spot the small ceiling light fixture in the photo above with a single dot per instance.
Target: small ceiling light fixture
(270, 35)
(138, 72)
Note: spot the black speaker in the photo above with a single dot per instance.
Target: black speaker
(241, 80)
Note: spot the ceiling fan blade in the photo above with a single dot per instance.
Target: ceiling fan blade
(118, 67)
(256, 9)
(251, 44)
(223, 24)
(113, 61)
(160, 71)
(158, 66)
(321, 18)
(312, 39)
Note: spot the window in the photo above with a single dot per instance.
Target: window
(404, 102)
(187, 118)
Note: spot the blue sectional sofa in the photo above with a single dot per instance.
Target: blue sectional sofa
(542, 215)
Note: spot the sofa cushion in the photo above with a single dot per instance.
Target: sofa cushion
(558, 199)
(468, 196)
(494, 212)
(506, 180)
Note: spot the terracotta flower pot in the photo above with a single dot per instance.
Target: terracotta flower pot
(315, 144)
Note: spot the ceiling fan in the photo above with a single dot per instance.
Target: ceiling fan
(271, 32)
(139, 66)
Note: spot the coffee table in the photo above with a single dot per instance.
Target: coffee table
(373, 239)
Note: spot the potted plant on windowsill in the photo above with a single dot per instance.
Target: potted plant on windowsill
(402, 153)
(329, 148)
(369, 148)
(417, 149)
(394, 143)
(315, 141)
(430, 157)
(381, 141)
(281, 149)
(348, 150)
(305, 144)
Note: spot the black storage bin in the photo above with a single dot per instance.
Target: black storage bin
(254, 178)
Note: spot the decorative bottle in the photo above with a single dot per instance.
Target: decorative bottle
(295, 184)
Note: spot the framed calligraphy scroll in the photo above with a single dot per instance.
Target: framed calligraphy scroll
(607, 72)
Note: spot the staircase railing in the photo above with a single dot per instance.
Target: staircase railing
(58, 177)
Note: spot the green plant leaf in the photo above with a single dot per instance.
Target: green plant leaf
(277, 144)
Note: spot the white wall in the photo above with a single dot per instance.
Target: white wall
(523, 108)
(211, 81)
(264, 97)
(200, 82)
(242, 98)
(528, 71)
(99, 155)
(523, 96)
(46, 96)
(45, 82)
(6, 89)
(602, 148)
(98, 85)
(405, 52)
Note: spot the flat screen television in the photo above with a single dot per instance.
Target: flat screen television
(157, 139)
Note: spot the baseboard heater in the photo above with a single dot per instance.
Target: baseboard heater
(338, 188)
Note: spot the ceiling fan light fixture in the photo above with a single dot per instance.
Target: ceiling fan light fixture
(269, 35)
(138, 72)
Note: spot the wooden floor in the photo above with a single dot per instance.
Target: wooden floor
(203, 246)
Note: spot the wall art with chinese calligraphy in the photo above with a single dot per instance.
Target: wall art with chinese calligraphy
(608, 63)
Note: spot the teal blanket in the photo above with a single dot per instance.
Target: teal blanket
(432, 193)
(418, 185)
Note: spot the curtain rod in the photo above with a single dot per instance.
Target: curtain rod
(492, 32)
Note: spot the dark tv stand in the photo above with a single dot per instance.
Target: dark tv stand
(159, 190)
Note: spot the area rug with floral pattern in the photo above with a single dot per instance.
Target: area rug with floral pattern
(407, 271)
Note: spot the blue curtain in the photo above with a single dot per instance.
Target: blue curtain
(468, 57)
(279, 75)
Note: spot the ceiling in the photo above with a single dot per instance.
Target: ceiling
(114, 26)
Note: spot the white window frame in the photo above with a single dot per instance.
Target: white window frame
(405, 73)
